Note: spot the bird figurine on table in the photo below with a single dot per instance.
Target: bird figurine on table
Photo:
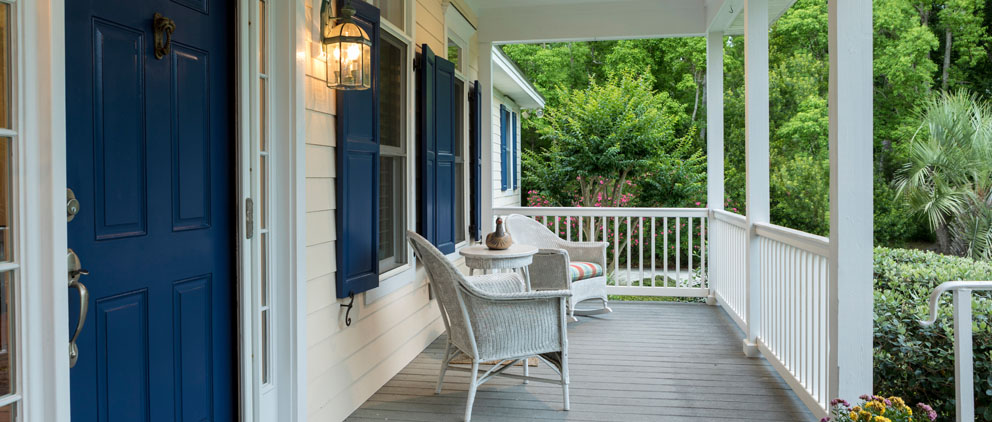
(500, 239)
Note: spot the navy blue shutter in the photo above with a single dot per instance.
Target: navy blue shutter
(426, 164)
(516, 158)
(358, 174)
(445, 130)
(436, 132)
(475, 152)
(503, 145)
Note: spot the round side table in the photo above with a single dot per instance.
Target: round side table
(516, 257)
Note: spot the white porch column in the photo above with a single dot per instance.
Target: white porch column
(850, 289)
(714, 120)
(486, 126)
(714, 139)
(756, 139)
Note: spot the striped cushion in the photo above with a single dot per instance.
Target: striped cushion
(584, 270)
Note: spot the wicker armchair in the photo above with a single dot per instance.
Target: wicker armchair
(492, 318)
(552, 264)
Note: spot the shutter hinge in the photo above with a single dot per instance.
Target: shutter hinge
(249, 218)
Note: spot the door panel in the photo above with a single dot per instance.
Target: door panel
(150, 152)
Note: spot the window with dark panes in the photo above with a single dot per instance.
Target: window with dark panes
(392, 158)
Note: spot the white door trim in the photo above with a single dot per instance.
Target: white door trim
(45, 296)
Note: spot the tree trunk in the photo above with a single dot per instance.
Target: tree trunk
(947, 59)
(943, 239)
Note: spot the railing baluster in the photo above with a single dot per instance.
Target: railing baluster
(678, 252)
(557, 230)
(689, 278)
(616, 250)
(640, 248)
(665, 247)
(579, 226)
(627, 246)
(703, 251)
(653, 253)
(568, 228)
(605, 239)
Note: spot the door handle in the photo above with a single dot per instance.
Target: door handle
(75, 272)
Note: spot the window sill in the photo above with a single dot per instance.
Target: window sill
(394, 272)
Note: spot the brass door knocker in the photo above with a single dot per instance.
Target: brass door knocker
(163, 34)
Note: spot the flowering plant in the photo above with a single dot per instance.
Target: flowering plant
(879, 409)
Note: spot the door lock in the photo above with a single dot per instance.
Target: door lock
(71, 205)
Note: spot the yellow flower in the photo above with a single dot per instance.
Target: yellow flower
(881, 419)
(897, 402)
(876, 406)
(854, 416)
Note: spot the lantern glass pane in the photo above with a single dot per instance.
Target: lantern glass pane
(333, 64)
(366, 66)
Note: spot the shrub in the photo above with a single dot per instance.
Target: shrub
(917, 362)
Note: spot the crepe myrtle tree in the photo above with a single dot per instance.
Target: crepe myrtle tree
(601, 138)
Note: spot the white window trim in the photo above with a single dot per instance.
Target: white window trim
(396, 278)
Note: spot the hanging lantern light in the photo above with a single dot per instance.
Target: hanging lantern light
(348, 49)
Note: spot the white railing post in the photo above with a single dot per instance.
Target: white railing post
(714, 139)
(964, 385)
(756, 140)
(850, 284)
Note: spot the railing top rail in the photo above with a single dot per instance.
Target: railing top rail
(812, 243)
(951, 286)
(730, 218)
(602, 211)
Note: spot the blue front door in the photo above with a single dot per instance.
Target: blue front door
(150, 152)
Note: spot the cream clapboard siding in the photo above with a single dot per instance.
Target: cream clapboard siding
(509, 197)
(346, 365)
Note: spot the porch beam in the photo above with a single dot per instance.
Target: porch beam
(486, 127)
(850, 288)
(757, 161)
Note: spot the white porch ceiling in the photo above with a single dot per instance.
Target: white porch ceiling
(517, 21)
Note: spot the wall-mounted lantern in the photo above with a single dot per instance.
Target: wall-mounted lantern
(347, 47)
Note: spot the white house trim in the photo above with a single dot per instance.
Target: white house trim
(509, 80)
(42, 99)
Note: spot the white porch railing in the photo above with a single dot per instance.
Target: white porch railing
(664, 252)
(651, 252)
(728, 279)
(793, 332)
(793, 285)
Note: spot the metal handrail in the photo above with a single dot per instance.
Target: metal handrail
(964, 382)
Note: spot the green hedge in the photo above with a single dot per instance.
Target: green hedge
(915, 362)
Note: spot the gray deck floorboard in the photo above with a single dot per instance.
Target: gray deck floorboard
(646, 361)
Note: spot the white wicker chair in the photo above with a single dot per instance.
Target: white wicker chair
(550, 269)
(492, 318)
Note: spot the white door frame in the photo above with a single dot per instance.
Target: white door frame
(45, 298)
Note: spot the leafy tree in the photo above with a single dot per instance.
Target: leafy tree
(601, 138)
